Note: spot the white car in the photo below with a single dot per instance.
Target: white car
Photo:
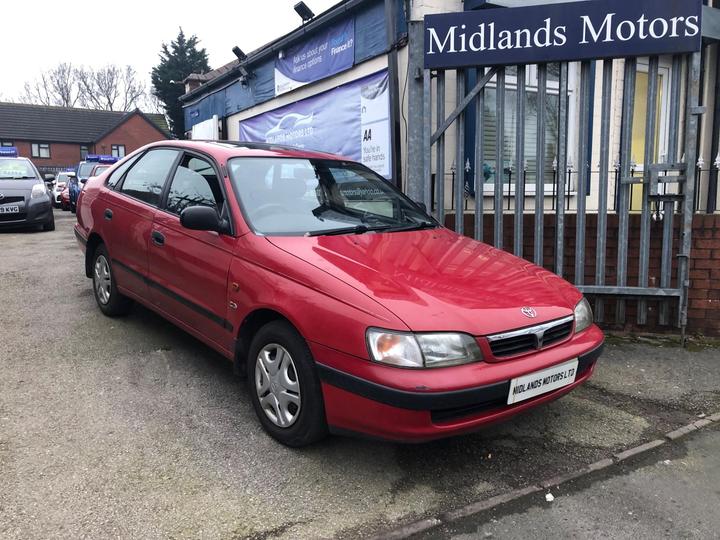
(61, 181)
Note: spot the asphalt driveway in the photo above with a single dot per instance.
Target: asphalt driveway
(131, 428)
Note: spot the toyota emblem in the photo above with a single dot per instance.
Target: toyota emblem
(529, 312)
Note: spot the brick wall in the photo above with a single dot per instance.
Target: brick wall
(61, 154)
(133, 133)
(704, 293)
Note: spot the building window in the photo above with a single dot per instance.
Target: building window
(40, 150)
(84, 151)
(6, 143)
(118, 150)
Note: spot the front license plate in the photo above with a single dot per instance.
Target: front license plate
(541, 382)
(9, 209)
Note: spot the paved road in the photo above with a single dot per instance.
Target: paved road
(131, 428)
(673, 492)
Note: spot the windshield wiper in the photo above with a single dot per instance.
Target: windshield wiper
(357, 229)
(413, 226)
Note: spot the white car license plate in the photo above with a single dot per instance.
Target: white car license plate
(541, 382)
(9, 209)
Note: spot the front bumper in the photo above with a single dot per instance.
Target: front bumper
(35, 212)
(356, 404)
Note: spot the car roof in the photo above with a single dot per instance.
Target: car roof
(230, 149)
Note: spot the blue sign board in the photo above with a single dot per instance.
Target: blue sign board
(320, 56)
(562, 32)
(352, 121)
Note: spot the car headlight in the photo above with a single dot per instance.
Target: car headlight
(38, 190)
(583, 315)
(422, 350)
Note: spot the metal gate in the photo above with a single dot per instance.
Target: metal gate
(655, 190)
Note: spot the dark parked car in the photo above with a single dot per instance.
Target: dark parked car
(85, 170)
(24, 198)
(349, 308)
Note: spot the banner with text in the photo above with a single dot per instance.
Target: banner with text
(352, 120)
(562, 32)
(324, 54)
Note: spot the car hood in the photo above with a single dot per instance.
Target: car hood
(17, 187)
(437, 280)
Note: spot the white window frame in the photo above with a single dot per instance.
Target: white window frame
(665, 70)
(115, 150)
(36, 150)
(553, 88)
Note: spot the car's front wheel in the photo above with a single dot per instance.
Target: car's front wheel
(284, 387)
(50, 225)
(107, 296)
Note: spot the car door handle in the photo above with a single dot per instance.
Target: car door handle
(108, 214)
(158, 238)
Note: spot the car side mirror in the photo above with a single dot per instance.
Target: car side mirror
(49, 177)
(83, 180)
(203, 218)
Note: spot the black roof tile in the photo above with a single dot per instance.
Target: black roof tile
(19, 121)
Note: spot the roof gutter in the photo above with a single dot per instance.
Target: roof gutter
(273, 48)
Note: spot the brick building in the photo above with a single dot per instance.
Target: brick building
(59, 137)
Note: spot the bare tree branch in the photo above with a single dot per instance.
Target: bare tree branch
(109, 88)
(54, 87)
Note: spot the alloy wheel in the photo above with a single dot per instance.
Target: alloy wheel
(102, 279)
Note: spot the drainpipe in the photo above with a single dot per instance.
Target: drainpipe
(391, 32)
(713, 182)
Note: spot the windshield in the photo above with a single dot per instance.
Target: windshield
(85, 169)
(16, 169)
(100, 169)
(288, 196)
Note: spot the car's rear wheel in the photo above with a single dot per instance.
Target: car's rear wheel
(284, 387)
(107, 296)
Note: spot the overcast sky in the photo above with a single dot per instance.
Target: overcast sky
(36, 35)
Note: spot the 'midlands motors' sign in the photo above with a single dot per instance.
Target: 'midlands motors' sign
(558, 32)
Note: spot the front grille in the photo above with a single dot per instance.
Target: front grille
(530, 339)
(12, 217)
(8, 200)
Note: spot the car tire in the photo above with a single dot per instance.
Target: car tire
(50, 225)
(280, 364)
(110, 301)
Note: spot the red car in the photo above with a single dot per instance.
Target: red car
(348, 307)
(65, 198)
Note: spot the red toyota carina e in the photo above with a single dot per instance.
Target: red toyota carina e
(349, 308)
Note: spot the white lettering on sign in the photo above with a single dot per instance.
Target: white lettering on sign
(610, 30)
(488, 38)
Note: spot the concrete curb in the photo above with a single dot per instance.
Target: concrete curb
(481, 506)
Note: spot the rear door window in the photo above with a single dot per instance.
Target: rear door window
(146, 179)
(195, 183)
